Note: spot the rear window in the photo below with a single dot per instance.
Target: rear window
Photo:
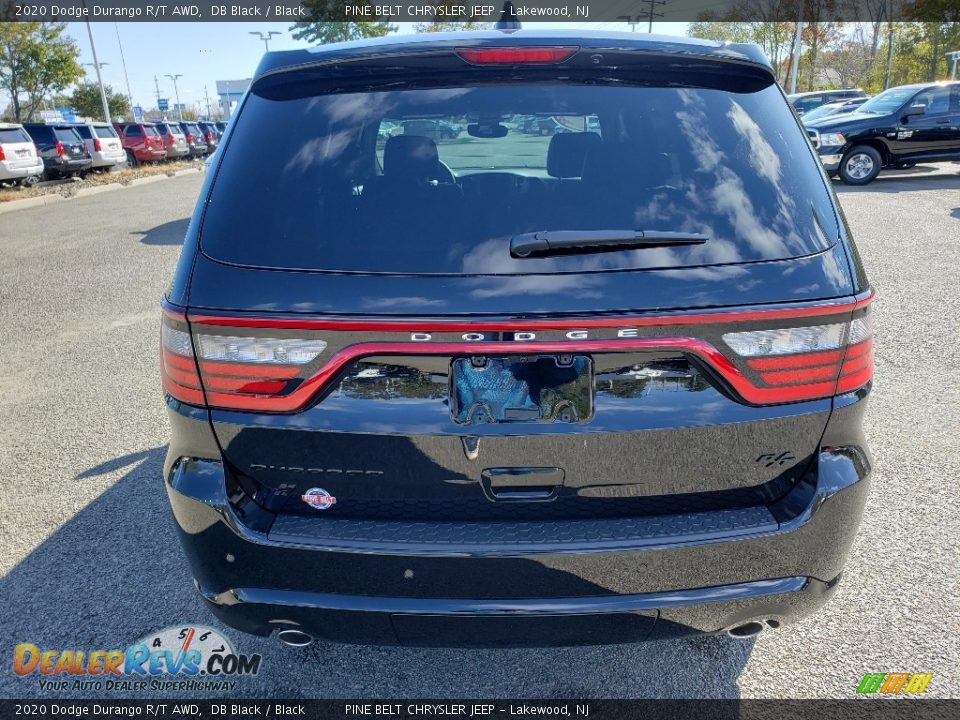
(67, 135)
(438, 180)
(83, 131)
(133, 130)
(14, 135)
(105, 132)
(151, 131)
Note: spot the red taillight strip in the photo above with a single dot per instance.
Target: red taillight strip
(785, 362)
(296, 323)
(247, 370)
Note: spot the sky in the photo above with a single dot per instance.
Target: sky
(206, 52)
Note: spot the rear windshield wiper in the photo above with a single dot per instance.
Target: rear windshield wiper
(546, 242)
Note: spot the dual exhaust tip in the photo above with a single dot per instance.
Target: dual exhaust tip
(752, 628)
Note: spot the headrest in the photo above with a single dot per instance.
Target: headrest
(568, 153)
(410, 156)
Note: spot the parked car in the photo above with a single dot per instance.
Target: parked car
(210, 134)
(806, 101)
(832, 109)
(195, 140)
(62, 149)
(605, 390)
(102, 143)
(142, 143)
(897, 128)
(20, 160)
(221, 126)
(174, 139)
(434, 129)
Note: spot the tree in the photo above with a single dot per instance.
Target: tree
(36, 59)
(85, 100)
(328, 24)
(441, 26)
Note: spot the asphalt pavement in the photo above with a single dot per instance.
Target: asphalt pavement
(90, 560)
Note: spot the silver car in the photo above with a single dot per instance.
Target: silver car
(102, 143)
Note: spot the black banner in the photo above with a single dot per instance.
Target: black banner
(637, 12)
(866, 709)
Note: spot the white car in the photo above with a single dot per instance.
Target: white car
(19, 160)
(102, 143)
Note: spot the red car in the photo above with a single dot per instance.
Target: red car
(142, 142)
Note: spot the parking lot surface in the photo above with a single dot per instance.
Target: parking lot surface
(90, 560)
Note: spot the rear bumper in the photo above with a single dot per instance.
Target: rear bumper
(108, 158)
(550, 583)
(12, 170)
(61, 166)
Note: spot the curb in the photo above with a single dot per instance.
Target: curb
(30, 202)
(11, 205)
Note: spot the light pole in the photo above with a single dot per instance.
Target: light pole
(176, 94)
(96, 64)
(123, 61)
(265, 36)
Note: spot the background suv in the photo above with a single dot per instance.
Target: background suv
(19, 160)
(174, 140)
(516, 390)
(62, 149)
(807, 101)
(102, 144)
(142, 142)
(196, 142)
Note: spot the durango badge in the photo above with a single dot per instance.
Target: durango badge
(318, 498)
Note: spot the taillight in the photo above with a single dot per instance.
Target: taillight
(59, 148)
(178, 366)
(209, 137)
(516, 55)
(96, 145)
(190, 138)
(238, 370)
(804, 363)
(2, 155)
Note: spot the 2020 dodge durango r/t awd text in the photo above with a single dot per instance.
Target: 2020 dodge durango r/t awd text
(604, 385)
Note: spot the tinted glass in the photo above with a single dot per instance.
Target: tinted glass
(106, 132)
(67, 135)
(806, 103)
(356, 186)
(15, 135)
(84, 131)
(888, 101)
(151, 131)
(936, 99)
(134, 130)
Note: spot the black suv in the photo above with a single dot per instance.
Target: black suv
(62, 149)
(898, 128)
(505, 389)
(806, 101)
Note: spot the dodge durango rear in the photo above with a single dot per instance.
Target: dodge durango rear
(436, 378)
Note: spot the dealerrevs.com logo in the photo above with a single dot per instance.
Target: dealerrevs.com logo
(185, 658)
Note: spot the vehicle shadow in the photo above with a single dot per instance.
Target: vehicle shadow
(169, 233)
(114, 573)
